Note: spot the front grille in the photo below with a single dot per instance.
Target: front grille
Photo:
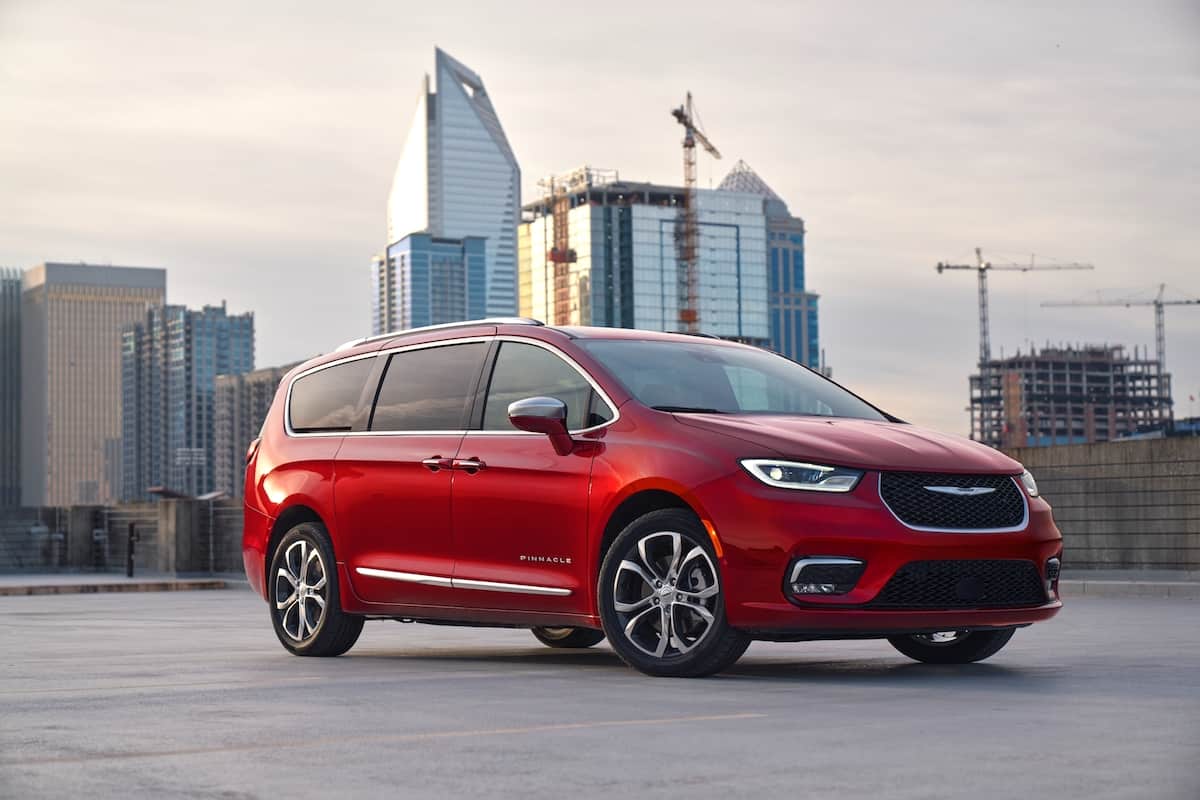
(1004, 583)
(910, 497)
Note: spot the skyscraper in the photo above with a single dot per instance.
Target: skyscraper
(597, 250)
(10, 387)
(425, 280)
(457, 176)
(242, 403)
(72, 316)
(794, 320)
(170, 361)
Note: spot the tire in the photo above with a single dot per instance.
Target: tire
(641, 590)
(311, 622)
(965, 648)
(568, 638)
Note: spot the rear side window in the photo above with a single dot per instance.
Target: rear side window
(327, 400)
(525, 370)
(429, 389)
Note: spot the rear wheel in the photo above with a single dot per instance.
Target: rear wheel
(661, 598)
(952, 647)
(568, 638)
(305, 608)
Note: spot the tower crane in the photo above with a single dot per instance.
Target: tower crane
(983, 268)
(689, 237)
(1160, 332)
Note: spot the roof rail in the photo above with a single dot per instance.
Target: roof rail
(442, 326)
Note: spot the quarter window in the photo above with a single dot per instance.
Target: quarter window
(327, 400)
(525, 370)
(428, 389)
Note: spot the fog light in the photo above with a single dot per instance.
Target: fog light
(815, 588)
(824, 575)
(1053, 568)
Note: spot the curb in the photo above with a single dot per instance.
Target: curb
(1175, 590)
(99, 588)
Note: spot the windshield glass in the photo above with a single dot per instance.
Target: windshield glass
(700, 377)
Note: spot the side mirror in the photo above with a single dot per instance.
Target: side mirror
(546, 415)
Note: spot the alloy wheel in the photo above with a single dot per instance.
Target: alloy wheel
(941, 637)
(300, 590)
(665, 594)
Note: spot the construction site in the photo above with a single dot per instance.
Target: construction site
(1068, 394)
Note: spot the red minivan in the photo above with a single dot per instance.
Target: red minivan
(680, 495)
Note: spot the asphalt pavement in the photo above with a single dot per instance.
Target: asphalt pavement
(189, 694)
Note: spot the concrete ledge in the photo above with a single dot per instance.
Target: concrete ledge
(1189, 590)
(104, 586)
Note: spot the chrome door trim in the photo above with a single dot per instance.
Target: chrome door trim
(406, 577)
(518, 588)
(461, 583)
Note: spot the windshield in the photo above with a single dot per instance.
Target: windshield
(711, 378)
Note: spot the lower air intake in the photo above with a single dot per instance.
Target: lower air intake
(1007, 583)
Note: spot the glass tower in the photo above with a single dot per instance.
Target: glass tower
(425, 280)
(457, 177)
(10, 387)
(601, 251)
(169, 366)
(793, 309)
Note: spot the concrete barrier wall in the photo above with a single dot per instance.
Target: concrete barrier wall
(1120, 505)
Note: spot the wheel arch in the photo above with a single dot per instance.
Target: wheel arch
(289, 518)
(635, 505)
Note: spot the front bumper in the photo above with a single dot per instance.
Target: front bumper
(763, 530)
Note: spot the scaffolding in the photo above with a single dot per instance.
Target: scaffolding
(1068, 395)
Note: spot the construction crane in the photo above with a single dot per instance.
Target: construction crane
(982, 268)
(1160, 331)
(688, 237)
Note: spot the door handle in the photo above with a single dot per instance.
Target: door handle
(471, 465)
(437, 462)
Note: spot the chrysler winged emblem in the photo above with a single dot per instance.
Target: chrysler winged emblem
(961, 491)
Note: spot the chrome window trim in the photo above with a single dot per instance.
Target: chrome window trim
(461, 583)
(287, 410)
(839, 561)
(1019, 527)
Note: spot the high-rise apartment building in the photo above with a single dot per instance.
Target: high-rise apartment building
(170, 360)
(597, 250)
(72, 316)
(10, 388)
(457, 176)
(242, 403)
(426, 280)
(793, 310)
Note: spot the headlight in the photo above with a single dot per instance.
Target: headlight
(799, 475)
(1029, 483)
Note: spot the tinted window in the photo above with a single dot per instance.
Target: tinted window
(525, 370)
(687, 376)
(428, 389)
(327, 400)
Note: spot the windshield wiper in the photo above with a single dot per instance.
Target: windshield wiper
(688, 409)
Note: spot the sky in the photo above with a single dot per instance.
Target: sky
(249, 148)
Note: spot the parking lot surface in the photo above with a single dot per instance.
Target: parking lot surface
(189, 694)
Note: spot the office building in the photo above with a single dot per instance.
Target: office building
(72, 316)
(170, 360)
(425, 280)
(457, 176)
(596, 250)
(793, 310)
(1068, 395)
(10, 388)
(241, 406)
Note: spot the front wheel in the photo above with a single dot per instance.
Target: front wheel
(568, 638)
(305, 608)
(952, 647)
(661, 599)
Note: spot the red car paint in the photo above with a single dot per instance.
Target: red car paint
(532, 516)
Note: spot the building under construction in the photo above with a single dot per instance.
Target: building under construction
(1068, 395)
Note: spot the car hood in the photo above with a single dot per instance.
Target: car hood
(865, 444)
